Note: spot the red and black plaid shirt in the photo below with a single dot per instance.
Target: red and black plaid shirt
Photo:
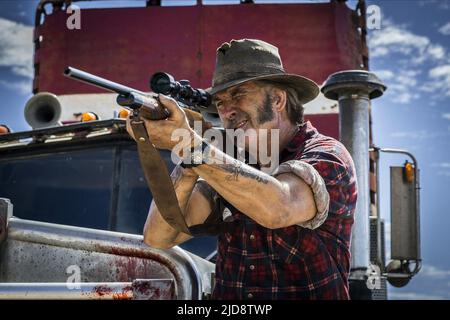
(254, 262)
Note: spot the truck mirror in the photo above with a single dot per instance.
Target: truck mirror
(405, 226)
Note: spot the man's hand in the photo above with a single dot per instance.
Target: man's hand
(160, 131)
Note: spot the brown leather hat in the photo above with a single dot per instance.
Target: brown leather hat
(239, 61)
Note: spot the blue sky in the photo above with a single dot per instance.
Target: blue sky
(411, 53)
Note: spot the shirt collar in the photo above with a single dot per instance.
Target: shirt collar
(305, 132)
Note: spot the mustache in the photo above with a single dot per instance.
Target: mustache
(264, 114)
(231, 124)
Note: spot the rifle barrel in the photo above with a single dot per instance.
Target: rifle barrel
(99, 81)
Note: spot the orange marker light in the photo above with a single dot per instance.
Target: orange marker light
(4, 129)
(409, 172)
(124, 113)
(88, 116)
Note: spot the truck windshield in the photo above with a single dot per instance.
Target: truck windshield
(101, 187)
(71, 187)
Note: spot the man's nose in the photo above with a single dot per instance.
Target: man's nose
(229, 112)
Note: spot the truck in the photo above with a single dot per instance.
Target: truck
(74, 198)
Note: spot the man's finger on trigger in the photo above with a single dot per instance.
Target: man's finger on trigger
(167, 99)
(154, 123)
(170, 103)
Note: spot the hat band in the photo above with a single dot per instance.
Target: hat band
(240, 75)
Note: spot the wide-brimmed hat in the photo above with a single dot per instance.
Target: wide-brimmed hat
(239, 61)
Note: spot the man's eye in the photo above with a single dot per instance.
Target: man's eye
(238, 97)
(219, 104)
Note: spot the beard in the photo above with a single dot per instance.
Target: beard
(265, 112)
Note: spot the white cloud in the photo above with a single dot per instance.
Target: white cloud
(441, 71)
(445, 29)
(430, 283)
(439, 80)
(379, 52)
(444, 173)
(16, 47)
(420, 134)
(397, 39)
(392, 38)
(443, 170)
(401, 86)
(434, 272)
(384, 74)
(442, 165)
(413, 296)
(408, 77)
(23, 87)
(436, 51)
(441, 4)
(403, 97)
(421, 65)
(446, 116)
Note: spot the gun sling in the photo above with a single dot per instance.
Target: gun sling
(158, 179)
(161, 186)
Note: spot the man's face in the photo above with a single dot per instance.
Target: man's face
(245, 106)
(248, 107)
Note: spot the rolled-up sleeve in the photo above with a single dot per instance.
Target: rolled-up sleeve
(311, 177)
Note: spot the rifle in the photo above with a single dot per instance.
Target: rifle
(147, 106)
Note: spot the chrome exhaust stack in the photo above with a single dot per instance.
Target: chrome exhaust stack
(353, 89)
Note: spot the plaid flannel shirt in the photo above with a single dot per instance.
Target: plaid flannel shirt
(295, 262)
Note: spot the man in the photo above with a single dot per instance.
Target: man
(290, 232)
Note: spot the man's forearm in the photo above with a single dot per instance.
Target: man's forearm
(183, 185)
(157, 230)
(253, 192)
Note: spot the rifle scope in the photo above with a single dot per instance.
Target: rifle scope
(164, 83)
